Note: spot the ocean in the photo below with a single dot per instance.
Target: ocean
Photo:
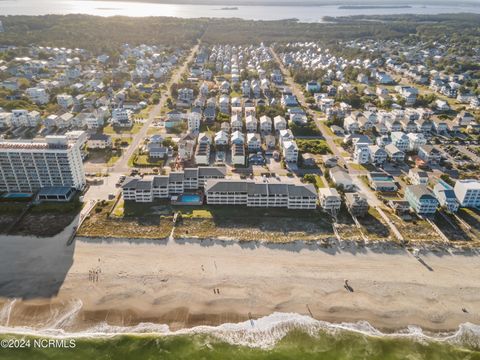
(278, 336)
(138, 9)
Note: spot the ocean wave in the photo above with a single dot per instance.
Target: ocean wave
(263, 332)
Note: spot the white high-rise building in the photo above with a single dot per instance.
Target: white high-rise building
(26, 166)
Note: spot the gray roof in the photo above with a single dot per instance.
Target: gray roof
(420, 191)
(212, 171)
(281, 189)
(144, 184)
(307, 190)
(176, 176)
(99, 137)
(226, 185)
(190, 173)
(130, 183)
(160, 181)
(257, 188)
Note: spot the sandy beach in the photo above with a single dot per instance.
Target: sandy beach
(172, 282)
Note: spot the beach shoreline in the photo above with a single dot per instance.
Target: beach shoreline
(172, 282)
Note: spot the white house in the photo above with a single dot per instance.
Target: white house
(279, 123)
(65, 100)
(329, 200)
(290, 151)
(446, 196)
(421, 199)
(221, 138)
(251, 123)
(400, 140)
(468, 192)
(99, 141)
(37, 95)
(254, 142)
(418, 177)
(265, 124)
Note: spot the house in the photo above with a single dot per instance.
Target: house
(330, 200)
(65, 100)
(204, 138)
(290, 151)
(468, 192)
(289, 100)
(341, 179)
(279, 123)
(193, 121)
(238, 154)
(421, 200)
(99, 141)
(378, 155)
(415, 140)
(394, 153)
(254, 142)
(400, 140)
(269, 141)
(418, 177)
(383, 78)
(357, 204)
(285, 135)
(251, 123)
(446, 197)
(202, 153)
(236, 123)
(37, 95)
(312, 86)
(265, 124)
(221, 138)
(442, 105)
(430, 154)
(351, 125)
(224, 104)
(157, 151)
(381, 181)
(361, 155)
(186, 146)
(308, 160)
(185, 95)
(237, 138)
(122, 117)
(5, 120)
(464, 118)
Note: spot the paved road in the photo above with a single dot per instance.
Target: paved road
(297, 91)
(107, 187)
(121, 165)
(355, 173)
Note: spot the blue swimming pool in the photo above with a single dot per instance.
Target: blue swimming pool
(17, 196)
(189, 198)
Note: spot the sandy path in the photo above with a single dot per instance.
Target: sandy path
(173, 283)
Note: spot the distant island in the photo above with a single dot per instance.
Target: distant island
(361, 7)
(229, 8)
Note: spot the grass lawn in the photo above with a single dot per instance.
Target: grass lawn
(313, 146)
(319, 182)
(360, 167)
(144, 160)
(110, 130)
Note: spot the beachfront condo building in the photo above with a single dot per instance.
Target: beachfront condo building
(260, 194)
(165, 186)
(27, 166)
